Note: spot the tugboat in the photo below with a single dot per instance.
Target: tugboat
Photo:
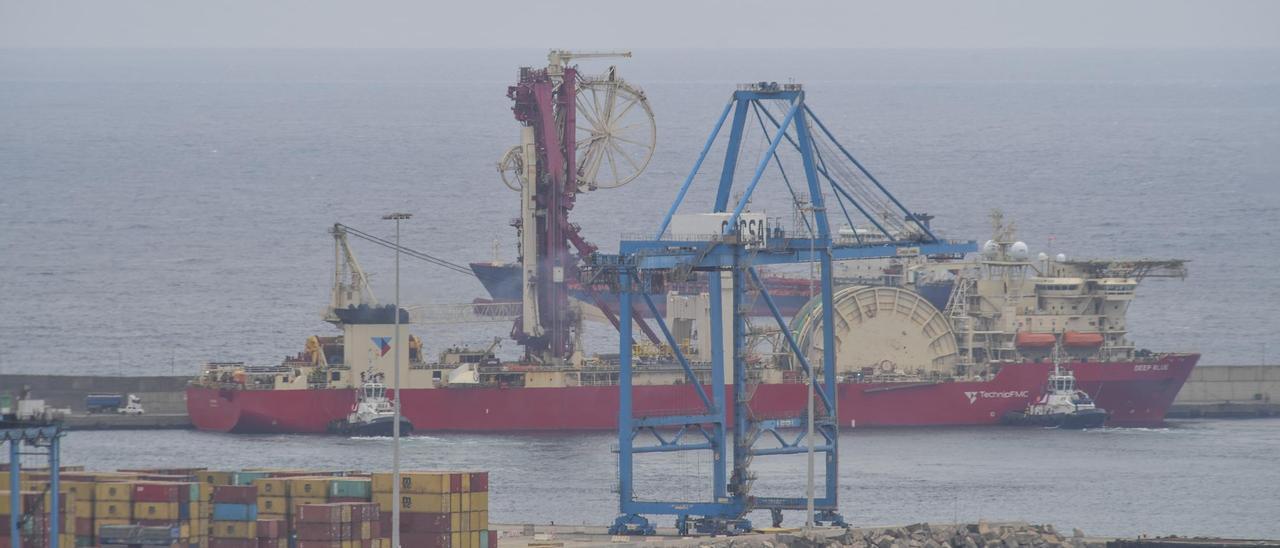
(373, 414)
(1061, 406)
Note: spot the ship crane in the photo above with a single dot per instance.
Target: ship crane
(727, 245)
(351, 286)
(579, 133)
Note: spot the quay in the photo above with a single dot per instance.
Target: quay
(982, 533)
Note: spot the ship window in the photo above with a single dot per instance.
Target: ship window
(335, 376)
(435, 375)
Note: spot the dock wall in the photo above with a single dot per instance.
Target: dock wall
(1229, 391)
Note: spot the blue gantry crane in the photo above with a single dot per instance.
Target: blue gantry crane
(728, 258)
(40, 434)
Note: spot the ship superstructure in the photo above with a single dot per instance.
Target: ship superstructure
(1007, 307)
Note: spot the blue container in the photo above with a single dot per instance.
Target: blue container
(246, 478)
(235, 512)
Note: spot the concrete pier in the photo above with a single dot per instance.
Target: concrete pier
(163, 398)
(1229, 391)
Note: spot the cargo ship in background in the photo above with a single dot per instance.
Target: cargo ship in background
(921, 340)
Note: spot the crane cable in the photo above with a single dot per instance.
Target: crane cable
(407, 251)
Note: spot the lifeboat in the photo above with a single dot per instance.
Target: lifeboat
(1076, 339)
(1035, 340)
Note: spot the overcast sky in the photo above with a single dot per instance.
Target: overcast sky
(640, 24)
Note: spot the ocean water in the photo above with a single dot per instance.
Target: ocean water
(160, 209)
(1193, 478)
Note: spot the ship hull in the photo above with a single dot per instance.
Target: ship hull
(1134, 393)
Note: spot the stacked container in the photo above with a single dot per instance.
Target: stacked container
(273, 533)
(175, 505)
(338, 525)
(437, 509)
(235, 517)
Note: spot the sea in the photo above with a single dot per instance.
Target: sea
(164, 208)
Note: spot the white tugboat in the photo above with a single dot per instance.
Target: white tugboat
(373, 414)
(1061, 406)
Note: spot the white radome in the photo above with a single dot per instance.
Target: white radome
(1019, 251)
(990, 249)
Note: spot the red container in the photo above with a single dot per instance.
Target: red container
(271, 528)
(320, 513)
(235, 494)
(364, 511)
(425, 522)
(479, 481)
(320, 531)
(84, 527)
(455, 482)
(161, 492)
(423, 540)
(493, 539)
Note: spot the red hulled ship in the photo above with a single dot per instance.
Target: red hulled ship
(906, 353)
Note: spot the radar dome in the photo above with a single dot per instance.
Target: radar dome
(1019, 251)
(1062, 258)
(1042, 257)
(990, 249)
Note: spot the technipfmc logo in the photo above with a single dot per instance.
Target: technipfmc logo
(973, 396)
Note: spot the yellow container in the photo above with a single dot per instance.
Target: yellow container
(112, 491)
(457, 539)
(455, 502)
(271, 515)
(82, 508)
(366, 530)
(413, 502)
(455, 521)
(235, 529)
(273, 505)
(483, 523)
(215, 478)
(479, 500)
(83, 490)
(466, 521)
(6, 508)
(383, 500)
(413, 482)
(313, 486)
(155, 510)
(112, 510)
(272, 487)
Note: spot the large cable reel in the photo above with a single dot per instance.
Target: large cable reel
(616, 135)
(881, 331)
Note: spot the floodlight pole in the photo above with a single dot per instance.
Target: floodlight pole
(395, 379)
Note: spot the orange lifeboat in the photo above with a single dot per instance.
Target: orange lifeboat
(1077, 339)
(1035, 340)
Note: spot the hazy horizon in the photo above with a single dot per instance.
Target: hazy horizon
(665, 24)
